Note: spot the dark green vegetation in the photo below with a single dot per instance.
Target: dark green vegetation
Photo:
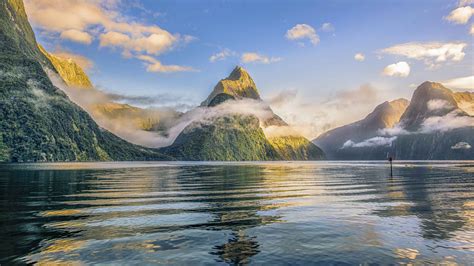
(440, 141)
(229, 138)
(37, 120)
(238, 137)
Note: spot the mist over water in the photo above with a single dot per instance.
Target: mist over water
(237, 213)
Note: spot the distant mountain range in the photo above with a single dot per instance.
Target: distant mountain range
(436, 124)
(40, 122)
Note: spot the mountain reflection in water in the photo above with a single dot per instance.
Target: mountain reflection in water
(237, 213)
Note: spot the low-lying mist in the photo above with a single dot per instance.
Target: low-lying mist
(159, 127)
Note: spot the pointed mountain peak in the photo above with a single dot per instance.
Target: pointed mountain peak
(238, 73)
(238, 85)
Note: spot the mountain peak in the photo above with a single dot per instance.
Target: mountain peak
(422, 103)
(386, 114)
(238, 73)
(238, 85)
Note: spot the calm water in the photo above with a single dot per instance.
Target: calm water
(272, 213)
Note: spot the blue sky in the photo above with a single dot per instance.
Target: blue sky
(316, 72)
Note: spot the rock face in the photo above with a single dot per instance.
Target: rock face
(72, 74)
(237, 85)
(465, 101)
(385, 115)
(38, 121)
(239, 136)
(433, 126)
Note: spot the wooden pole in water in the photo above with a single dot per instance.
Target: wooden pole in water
(390, 159)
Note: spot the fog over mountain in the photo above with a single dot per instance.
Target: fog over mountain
(436, 124)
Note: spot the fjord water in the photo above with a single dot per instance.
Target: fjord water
(237, 213)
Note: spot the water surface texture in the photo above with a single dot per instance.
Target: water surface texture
(237, 213)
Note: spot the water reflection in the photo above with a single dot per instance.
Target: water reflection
(435, 196)
(237, 214)
(238, 250)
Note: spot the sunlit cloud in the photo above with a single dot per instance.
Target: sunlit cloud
(258, 58)
(85, 21)
(431, 53)
(400, 69)
(301, 32)
(460, 15)
(325, 113)
(76, 36)
(461, 83)
(359, 57)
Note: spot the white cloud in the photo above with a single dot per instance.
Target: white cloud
(324, 112)
(460, 15)
(372, 142)
(400, 69)
(303, 31)
(359, 57)
(154, 65)
(432, 53)
(461, 146)
(438, 104)
(222, 55)
(397, 130)
(76, 36)
(461, 83)
(327, 27)
(258, 58)
(471, 31)
(446, 123)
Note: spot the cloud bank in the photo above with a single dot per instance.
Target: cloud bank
(433, 54)
(85, 21)
(461, 83)
(372, 142)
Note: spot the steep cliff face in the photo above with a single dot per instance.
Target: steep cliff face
(38, 121)
(465, 101)
(72, 74)
(239, 135)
